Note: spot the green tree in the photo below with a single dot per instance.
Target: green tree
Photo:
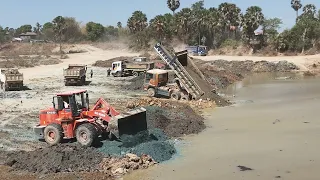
(72, 32)
(23, 29)
(271, 27)
(158, 25)
(37, 29)
(137, 22)
(252, 19)
(296, 5)
(47, 31)
(59, 26)
(111, 32)
(173, 5)
(119, 25)
(2, 35)
(184, 23)
(95, 31)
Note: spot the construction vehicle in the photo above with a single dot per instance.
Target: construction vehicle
(11, 79)
(75, 74)
(184, 86)
(70, 117)
(197, 50)
(124, 68)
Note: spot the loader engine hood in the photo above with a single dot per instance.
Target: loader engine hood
(47, 116)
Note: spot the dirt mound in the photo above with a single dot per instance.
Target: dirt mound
(136, 84)
(152, 142)
(28, 61)
(221, 73)
(62, 158)
(108, 63)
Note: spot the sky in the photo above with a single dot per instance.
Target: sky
(15, 13)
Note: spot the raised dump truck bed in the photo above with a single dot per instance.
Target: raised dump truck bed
(11, 79)
(75, 74)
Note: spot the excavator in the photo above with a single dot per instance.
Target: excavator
(71, 117)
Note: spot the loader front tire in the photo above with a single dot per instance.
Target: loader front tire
(86, 134)
(53, 134)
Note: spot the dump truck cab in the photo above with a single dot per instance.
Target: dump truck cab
(156, 84)
(156, 77)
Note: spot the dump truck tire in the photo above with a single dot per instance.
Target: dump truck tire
(135, 74)
(53, 134)
(86, 134)
(176, 95)
(151, 92)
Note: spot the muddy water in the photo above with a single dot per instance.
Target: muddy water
(274, 129)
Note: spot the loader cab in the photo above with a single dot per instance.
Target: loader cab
(72, 102)
(156, 77)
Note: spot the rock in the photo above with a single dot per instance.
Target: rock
(133, 157)
(118, 171)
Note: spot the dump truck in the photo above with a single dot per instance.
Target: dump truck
(124, 68)
(197, 50)
(11, 79)
(75, 74)
(185, 85)
(71, 117)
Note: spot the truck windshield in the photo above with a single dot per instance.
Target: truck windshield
(149, 76)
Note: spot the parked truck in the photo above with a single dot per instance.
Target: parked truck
(11, 79)
(75, 74)
(197, 50)
(123, 68)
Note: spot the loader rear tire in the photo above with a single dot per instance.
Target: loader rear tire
(53, 134)
(86, 134)
(135, 74)
(151, 92)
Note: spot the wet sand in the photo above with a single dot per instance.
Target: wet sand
(274, 130)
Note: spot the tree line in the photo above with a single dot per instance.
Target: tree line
(223, 26)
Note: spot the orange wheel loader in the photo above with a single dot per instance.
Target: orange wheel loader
(70, 117)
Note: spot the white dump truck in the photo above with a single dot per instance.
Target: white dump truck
(11, 79)
(122, 68)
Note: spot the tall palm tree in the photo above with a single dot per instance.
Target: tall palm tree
(252, 19)
(184, 22)
(173, 5)
(296, 5)
(158, 24)
(137, 22)
(229, 16)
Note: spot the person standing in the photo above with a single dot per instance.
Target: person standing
(108, 71)
(91, 73)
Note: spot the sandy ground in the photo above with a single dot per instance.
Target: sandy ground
(301, 61)
(19, 109)
(273, 130)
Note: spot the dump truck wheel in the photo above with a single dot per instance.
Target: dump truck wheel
(175, 95)
(135, 74)
(53, 134)
(151, 92)
(86, 134)
(141, 74)
(185, 97)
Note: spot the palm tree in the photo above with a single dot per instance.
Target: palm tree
(310, 10)
(230, 15)
(119, 25)
(184, 23)
(296, 5)
(173, 5)
(252, 20)
(158, 24)
(59, 24)
(137, 22)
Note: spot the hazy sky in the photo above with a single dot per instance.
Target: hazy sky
(108, 12)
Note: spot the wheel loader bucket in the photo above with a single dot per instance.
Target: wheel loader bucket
(131, 122)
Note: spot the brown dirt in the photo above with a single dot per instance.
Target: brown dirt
(14, 49)
(27, 61)
(175, 118)
(221, 73)
(107, 63)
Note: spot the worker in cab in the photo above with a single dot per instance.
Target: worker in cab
(65, 104)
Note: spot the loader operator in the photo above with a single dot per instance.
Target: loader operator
(66, 105)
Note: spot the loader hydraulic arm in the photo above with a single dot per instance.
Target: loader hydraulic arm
(101, 109)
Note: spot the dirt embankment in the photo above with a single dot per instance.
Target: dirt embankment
(221, 73)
